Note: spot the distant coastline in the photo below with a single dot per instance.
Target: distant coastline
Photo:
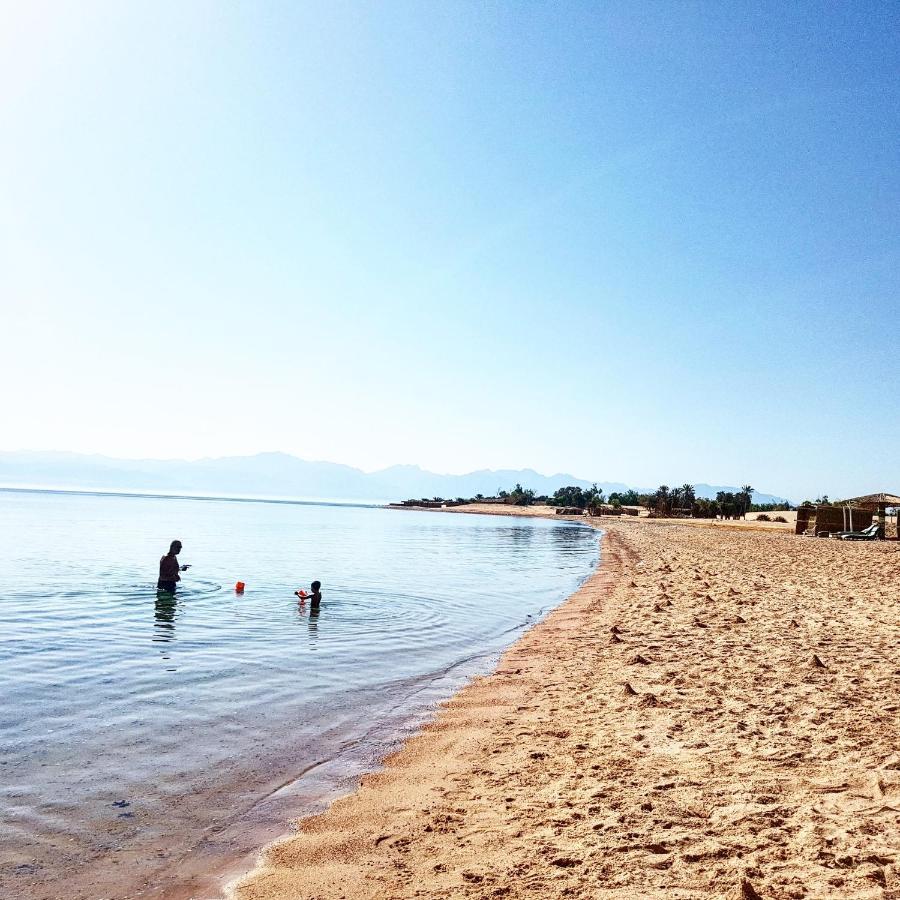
(158, 495)
(283, 476)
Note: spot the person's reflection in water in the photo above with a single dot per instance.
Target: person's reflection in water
(315, 601)
(314, 621)
(164, 616)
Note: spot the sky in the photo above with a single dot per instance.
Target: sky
(641, 242)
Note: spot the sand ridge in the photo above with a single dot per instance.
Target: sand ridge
(713, 714)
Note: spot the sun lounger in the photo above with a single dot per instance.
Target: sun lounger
(872, 533)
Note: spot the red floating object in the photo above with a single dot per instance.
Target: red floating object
(239, 587)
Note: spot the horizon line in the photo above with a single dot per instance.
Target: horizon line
(200, 459)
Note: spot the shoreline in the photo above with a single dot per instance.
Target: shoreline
(713, 713)
(237, 871)
(231, 851)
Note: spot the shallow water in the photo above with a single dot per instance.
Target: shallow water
(145, 738)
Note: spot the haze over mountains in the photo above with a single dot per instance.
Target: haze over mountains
(283, 476)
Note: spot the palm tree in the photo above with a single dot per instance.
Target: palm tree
(731, 505)
(662, 499)
(723, 499)
(747, 492)
(688, 497)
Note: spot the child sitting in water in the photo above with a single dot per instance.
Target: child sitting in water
(315, 597)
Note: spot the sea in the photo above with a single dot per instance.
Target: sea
(150, 743)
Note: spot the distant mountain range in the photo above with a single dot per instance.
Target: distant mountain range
(284, 476)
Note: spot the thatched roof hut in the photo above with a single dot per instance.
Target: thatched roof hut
(877, 504)
(873, 501)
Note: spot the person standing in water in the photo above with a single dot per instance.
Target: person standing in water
(169, 569)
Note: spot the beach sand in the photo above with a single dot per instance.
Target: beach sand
(715, 713)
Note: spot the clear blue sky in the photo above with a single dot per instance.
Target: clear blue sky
(641, 242)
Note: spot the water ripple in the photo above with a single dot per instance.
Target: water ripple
(109, 690)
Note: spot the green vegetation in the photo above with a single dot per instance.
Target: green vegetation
(520, 496)
(682, 502)
(672, 501)
(628, 498)
(664, 502)
(577, 497)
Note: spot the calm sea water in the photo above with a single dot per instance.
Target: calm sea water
(146, 741)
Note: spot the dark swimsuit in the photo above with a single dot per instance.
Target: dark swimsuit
(168, 565)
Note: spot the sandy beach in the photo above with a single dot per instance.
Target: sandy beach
(715, 713)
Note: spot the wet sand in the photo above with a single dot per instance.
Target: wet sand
(715, 713)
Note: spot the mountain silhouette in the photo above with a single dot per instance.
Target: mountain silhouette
(284, 476)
